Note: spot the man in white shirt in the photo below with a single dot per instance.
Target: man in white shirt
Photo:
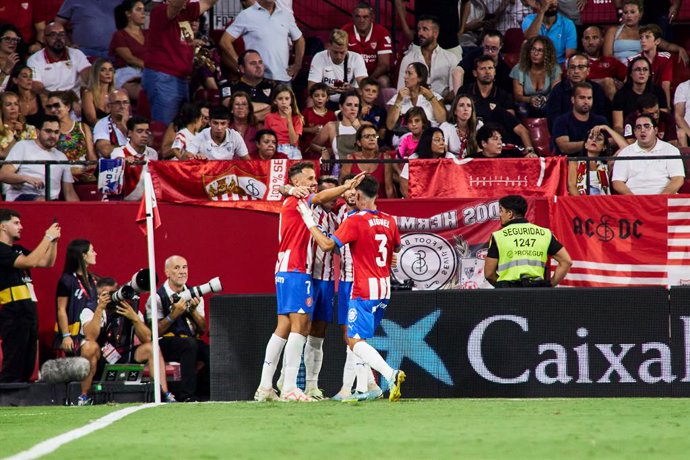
(340, 69)
(109, 131)
(440, 62)
(219, 142)
(682, 112)
(58, 67)
(648, 177)
(27, 182)
(266, 28)
(136, 150)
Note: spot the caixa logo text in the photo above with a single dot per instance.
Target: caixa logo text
(656, 365)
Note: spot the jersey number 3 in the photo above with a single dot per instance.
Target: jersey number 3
(383, 250)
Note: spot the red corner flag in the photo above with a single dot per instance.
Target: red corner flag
(141, 214)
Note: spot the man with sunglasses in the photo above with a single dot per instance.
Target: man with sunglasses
(648, 177)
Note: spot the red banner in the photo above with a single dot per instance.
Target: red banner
(242, 184)
(473, 178)
(624, 240)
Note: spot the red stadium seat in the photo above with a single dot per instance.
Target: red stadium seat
(511, 59)
(143, 105)
(539, 133)
(680, 74)
(513, 40)
(599, 12)
(157, 132)
(209, 95)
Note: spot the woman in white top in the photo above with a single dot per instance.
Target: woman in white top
(460, 131)
(188, 123)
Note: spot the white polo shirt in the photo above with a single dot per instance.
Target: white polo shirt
(324, 70)
(442, 64)
(648, 177)
(31, 151)
(683, 95)
(60, 75)
(232, 147)
(268, 34)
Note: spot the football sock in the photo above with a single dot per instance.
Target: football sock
(313, 358)
(348, 371)
(371, 381)
(361, 369)
(273, 351)
(372, 357)
(292, 358)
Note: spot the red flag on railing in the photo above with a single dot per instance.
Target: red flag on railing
(141, 213)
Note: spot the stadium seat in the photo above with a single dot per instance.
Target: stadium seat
(209, 95)
(157, 132)
(511, 59)
(599, 12)
(513, 41)
(143, 106)
(539, 133)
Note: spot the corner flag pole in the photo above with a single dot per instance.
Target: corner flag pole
(149, 197)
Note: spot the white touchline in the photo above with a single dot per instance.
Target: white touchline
(52, 444)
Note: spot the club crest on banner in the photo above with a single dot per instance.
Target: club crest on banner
(235, 184)
(427, 259)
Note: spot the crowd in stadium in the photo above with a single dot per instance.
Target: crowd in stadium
(84, 81)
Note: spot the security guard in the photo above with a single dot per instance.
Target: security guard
(518, 252)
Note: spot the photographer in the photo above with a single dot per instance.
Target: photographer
(180, 325)
(114, 333)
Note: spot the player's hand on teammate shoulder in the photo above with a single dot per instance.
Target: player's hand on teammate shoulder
(300, 192)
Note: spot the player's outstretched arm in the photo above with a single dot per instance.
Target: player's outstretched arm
(329, 194)
(324, 242)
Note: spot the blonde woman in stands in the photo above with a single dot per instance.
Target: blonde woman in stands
(534, 76)
(188, 123)
(460, 131)
(596, 145)
(76, 140)
(13, 127)
(94, 101)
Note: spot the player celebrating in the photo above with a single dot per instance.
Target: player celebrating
(294, 285)
(373, 237)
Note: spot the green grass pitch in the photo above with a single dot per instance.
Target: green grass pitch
(623, 428)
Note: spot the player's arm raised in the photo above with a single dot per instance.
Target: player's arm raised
(329, 194)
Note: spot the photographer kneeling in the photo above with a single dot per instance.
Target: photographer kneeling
(110, 336)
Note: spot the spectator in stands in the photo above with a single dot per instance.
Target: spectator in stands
(286, 120)
(109, 131)
(415, 92)
(14, 127)
(372, 41)
(682, 112)
(173, 128)
(484, 91)
(27, 182)
(569, 130)
(20, 15)
(219, 141)
(648, 104)
(490, 143)
(662, 67)
(9, 57)
(181, 324)
(560, 99)
(315, 118)
(170, 55)
(45, 12)
(607, 71)
(137, 151)
(341, 70)
(596, 144)
(252, 82)
(128, 46)
(368, 149)
(30, 104)
(548, 22)
(432, 145)
(242, 119)
(94, 103)
(639, 82)
(58, 67)
(513, 16)
(266, 143)
(438, 61)
(491, 44)
(448, 18)
(266, 27)
(535, 76)
(75, 140)
(648, 177)
(416, 122)
(188, 123)
(460, 131)
(371, 111)
(340, 135)
(92, 24)
(113, 327)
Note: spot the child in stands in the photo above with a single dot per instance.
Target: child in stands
(315, 118)
(286, 120)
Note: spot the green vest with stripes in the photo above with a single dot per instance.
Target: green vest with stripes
(522, 250)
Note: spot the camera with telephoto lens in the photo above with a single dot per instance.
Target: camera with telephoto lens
(138, 283)
(198, 291)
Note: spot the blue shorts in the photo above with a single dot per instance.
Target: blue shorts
(364, 316)
(324, 294)
(344, 291)
(294, 292)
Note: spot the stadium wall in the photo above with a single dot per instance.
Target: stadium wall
(588, 342)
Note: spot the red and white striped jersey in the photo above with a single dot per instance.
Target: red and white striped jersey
(323, 268)
(373, 237)
(295, 243)
(346, 273)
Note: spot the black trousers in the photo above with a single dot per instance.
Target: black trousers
(19, 333)
(187, 351)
